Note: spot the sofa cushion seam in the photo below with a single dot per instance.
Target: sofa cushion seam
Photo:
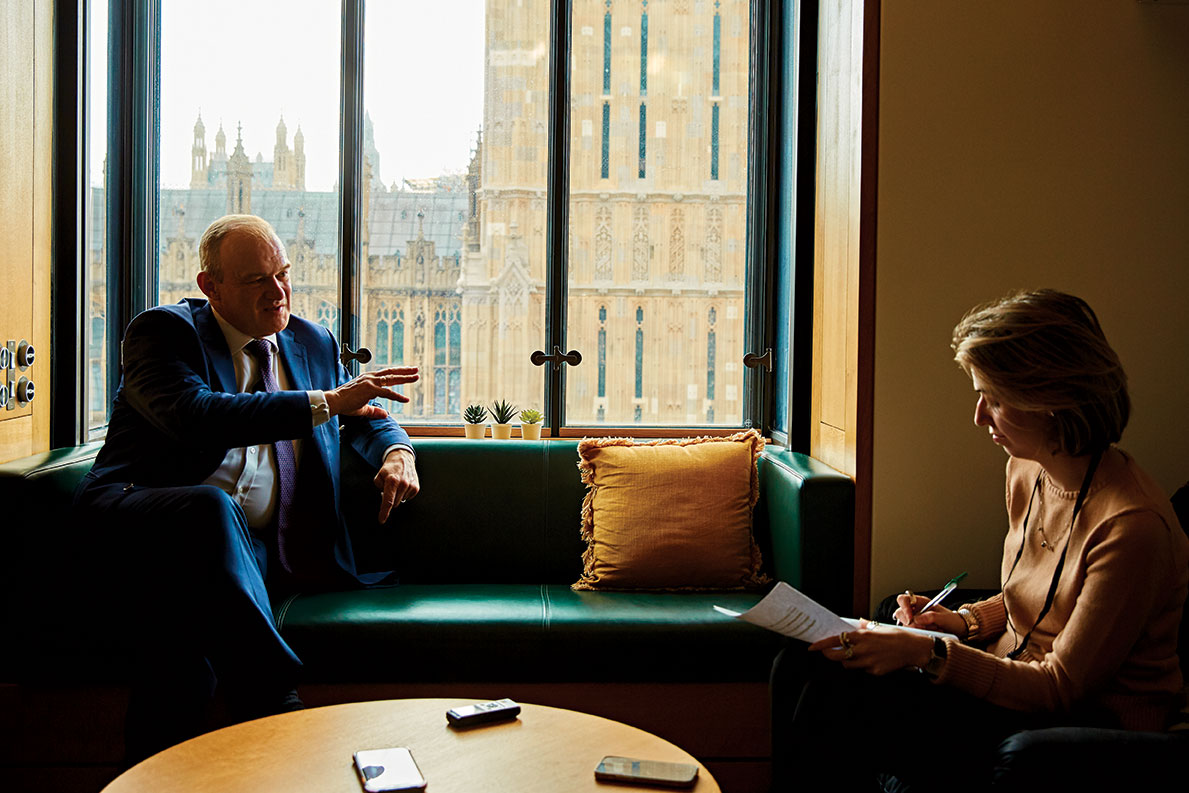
(798, 475)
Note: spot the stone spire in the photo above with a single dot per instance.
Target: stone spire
(198, 161)
(282, 160)
(299, 159)
(474, 182)
(239, 178)
(220, 145)
(371, 154)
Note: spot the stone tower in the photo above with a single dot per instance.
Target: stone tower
(239, 178)
(198, 162)
(371, 155)
(282, 159)
(220, 154)
(299, 160)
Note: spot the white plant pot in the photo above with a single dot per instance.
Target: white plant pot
(501, 432)
(530, 432)
(474, 431)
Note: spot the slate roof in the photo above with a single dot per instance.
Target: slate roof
(393, 216)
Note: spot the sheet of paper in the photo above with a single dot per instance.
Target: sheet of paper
(855, 624)
(790, 612)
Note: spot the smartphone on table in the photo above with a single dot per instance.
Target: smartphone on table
(634, 771)
(384, 770)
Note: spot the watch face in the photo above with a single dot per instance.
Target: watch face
(937, 661)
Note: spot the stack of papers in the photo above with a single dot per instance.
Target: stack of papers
(792, 613)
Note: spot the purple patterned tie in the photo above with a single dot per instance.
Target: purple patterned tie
(261, 350)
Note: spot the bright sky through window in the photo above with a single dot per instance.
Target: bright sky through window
(218, 58)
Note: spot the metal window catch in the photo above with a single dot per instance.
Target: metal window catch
(364, 355)
(573, 357)
(753, 361)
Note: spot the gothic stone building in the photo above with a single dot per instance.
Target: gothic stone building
(454, 280)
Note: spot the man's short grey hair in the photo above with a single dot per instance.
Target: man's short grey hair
(212, 240)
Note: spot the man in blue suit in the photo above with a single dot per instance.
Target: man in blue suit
(219, 480)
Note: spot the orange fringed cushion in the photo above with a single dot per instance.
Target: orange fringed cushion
(671, 514)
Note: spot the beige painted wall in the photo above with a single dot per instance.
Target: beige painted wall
(1022, 143)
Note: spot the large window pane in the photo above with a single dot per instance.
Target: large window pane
(658, 212)
(96, 285)
(452, 264)
(455, 153)
(250, 123)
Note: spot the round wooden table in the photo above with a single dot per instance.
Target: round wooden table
(545, 749)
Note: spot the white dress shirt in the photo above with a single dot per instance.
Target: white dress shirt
(249, 473)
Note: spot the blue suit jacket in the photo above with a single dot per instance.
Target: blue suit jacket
(177, 413)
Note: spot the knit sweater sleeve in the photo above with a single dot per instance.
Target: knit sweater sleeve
(1125, 573)
(991, 616)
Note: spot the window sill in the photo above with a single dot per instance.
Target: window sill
(600, 431)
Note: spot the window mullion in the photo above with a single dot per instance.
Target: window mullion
(134, 44)
(68, 422)
(350, 171)
(557, 211)
(759, 282)
(801, 44)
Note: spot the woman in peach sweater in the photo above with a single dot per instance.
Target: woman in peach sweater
(1094, 577)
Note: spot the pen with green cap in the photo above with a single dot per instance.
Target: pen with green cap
(949, 587)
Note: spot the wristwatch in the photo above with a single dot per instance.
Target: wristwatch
(972, 626)
(937, 660)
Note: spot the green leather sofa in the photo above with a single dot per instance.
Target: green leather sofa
(485, 555)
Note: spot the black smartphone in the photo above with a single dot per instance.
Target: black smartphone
(633, 771)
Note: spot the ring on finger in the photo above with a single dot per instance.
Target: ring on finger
(844, 640)
(850, 653)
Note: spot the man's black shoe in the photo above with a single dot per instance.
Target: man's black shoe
(290, 702)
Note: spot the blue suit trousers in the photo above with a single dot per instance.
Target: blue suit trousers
(194, 576)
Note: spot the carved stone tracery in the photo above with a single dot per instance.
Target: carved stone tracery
(640, 247)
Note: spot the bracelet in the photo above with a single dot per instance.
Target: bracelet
(972, 626)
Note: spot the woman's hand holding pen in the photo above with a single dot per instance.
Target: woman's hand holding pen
(921, 613)
(937, 618)
(879, 649)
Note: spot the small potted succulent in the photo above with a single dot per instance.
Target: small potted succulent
(530, 424)
(502, 414)
(475, 417)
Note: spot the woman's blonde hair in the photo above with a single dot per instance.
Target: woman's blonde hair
(1044, 351)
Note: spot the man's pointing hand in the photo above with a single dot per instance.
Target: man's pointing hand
(351, 399)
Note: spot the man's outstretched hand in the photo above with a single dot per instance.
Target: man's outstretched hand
(397, 480)
(351, 399)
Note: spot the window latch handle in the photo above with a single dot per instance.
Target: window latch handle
(573, 357)
(753, 361)
(363, 355)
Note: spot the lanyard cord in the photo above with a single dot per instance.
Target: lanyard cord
(1077, 507)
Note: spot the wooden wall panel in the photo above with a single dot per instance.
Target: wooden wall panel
(26, 122)
(844, 256)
